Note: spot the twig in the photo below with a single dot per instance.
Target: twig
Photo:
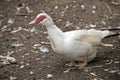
(109, 9)
(116, 3)
(110, 29)
(47, 43)
(112, 35)
(1, 21)
(116, 14)
(94, 66)
(93, 76)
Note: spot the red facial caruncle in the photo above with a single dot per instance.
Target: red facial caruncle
(39, 19)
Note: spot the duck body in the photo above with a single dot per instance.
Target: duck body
(75, 45)
(68, 44)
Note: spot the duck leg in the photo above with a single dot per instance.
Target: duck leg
(85, 61)
(71, 64)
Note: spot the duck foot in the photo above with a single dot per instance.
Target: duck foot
(70, 64)
(85, 61)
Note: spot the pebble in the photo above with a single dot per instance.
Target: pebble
(95, 79)
(27, 54)
(82, 7)
(119, 73)
(49, 76)
(92, 25)
(33, 30)
(56, 7)
(68, 23)
(62, 13)
(13, 78)
(93, 11)
(31, 72)
(106, 69)
(37, 59)
(113, 71)
(66, 7)
(44, 49)
(11, 21)
(94, 7)
(119, 36)
(22, 66)
(117, 62)
(27, 64)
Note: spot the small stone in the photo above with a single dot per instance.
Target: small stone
(113, 71)
(28, 9)
(92, 25)
(37, 59)
(62, 13)
(43, 56)
(56, 7)
(27, 54)
(94, 7)
(82, 7)
(106, 69)
(13, 78)
(11, 21)
(119, 73)
(66, 7)
(48, 37)
(95, 79)
(119, 36)
(68, 23)
(117, 62)
(40, 69)
(44, 49)
(93, 11)
(27, 64)
(31, 72)
(22, 62)
(33, 30)
(49, 76)
(20, 50)
(22, 66)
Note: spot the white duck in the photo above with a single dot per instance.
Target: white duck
(76, 45)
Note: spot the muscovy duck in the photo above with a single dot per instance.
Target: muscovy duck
(75, 45)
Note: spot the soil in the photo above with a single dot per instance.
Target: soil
(32, 64)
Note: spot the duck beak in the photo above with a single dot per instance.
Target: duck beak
(32, 22)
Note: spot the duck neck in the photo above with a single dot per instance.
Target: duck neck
(56, 37)
(53, 31)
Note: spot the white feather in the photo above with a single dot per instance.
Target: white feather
(73, 44)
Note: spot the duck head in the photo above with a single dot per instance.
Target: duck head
(43, 19)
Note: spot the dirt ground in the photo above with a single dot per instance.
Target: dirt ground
(25, 44)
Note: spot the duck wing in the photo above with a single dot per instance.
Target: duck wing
(91, 36)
